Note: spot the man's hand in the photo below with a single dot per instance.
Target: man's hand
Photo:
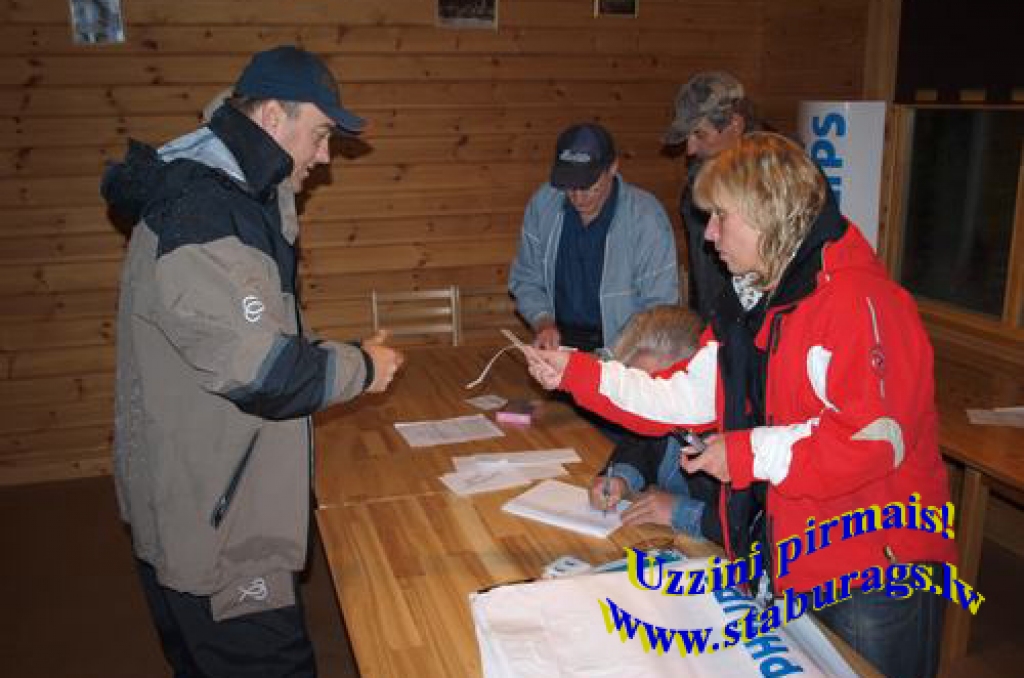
(712, 461)
(547, 367)
(654, 506)
(546, 336)
(386, 361)
(616, 492)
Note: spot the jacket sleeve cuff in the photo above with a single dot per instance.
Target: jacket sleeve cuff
(633, 479)
(582, 374)
(687, 516)
(349, 372)
(739, 456)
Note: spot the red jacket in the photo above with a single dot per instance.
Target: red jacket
(850, 410)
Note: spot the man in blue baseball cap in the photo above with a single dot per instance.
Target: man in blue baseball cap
(594, 249)
(216, 379)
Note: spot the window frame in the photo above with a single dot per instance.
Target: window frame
(946, 321)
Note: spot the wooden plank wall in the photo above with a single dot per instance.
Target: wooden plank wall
(463, 125)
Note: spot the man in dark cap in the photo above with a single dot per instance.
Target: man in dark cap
(712, 114)
(216, 379)
(594, 249)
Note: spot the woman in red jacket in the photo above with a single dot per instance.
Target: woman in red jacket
(817, 376)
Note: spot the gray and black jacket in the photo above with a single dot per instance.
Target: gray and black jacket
(215, 378)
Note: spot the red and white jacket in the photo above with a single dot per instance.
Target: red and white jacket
(850, 414)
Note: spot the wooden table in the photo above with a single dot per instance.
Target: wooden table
(360, 456)
(404, 553)
(989, 457)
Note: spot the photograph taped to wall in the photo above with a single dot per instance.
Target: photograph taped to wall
(467, 13)
(616, 7)
(96, 22)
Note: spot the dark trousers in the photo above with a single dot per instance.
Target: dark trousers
(900, 636)
(272, 644)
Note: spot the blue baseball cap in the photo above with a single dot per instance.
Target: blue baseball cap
(582, 152)
(289, 73)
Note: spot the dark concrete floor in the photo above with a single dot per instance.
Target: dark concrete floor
(71, 604)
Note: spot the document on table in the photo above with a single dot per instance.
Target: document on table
(472, 465)
(487, 402)
(499, 470)
(566, 506)
(557, 627)
(489, 478)
(998, 416)
(448, 431)
(561, 455)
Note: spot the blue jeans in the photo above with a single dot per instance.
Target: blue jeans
(900, 636)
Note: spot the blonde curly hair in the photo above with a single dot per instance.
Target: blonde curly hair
(776, 188)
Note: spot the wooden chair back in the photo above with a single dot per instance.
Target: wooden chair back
(414, 317)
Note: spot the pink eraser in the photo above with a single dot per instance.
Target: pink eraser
(507, 417)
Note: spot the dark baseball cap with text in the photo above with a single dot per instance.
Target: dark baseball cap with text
(582, 153)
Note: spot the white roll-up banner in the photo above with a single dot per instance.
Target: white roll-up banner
(846, 138)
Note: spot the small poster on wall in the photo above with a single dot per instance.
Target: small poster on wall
(95, 22)
(616, 7)
(467, 13)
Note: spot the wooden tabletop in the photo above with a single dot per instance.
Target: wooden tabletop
(405, 553)
(404, 568)
(963, 382)
(985, 456)
(360, 456)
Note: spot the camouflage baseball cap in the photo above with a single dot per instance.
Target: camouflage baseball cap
(705, 95)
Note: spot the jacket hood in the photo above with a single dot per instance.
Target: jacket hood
(134, 185)
(257, 164)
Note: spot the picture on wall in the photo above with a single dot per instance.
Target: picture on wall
(468, 13)
(96, 22)
(616, 7)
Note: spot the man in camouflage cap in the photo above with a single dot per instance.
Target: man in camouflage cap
(712, 114)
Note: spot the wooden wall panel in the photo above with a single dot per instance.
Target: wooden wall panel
(462, 128)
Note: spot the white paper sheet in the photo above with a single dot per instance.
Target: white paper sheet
(560, 455)
(448, 431)
(998, 416)
(566, 506)
(487, 480)
(487, 402)
(472, 465)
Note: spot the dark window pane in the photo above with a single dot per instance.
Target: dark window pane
(959, 217)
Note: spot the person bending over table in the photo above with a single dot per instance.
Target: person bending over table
(594, 250)
(819, 384)
(647, 468)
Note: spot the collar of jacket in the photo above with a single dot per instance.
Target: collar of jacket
(263, 162)
(801, 276)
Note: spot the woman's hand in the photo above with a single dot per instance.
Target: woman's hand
(713, 461)
(547, 367)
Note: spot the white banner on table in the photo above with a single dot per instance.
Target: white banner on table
(846, 139)
(556, 628)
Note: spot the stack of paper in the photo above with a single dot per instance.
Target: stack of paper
(448, 431)
(500, 470)
(566, 506)
(557, 627)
